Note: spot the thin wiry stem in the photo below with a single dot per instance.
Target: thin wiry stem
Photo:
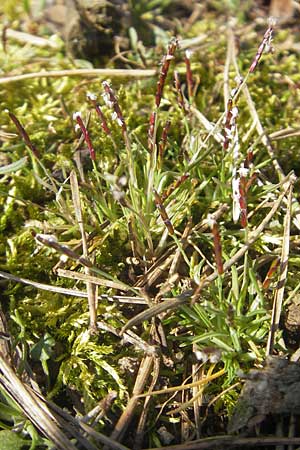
(229, 442)
(75, 292)
(203, 380)
(180, 98)
(162, 211)
(51, 241)
(104, 73)
(217, 246)
(151, 132)
(270, 274)
(24, 135)
(163, 141)
(28, 402)
(84, 130)
(189, 74)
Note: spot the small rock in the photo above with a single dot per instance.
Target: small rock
(271, 391)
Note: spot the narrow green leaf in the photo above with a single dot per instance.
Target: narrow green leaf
(13, 167)
(235, 282)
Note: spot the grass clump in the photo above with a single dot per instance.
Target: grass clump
(148, 238)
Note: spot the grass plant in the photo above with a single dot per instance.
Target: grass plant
(149, 232)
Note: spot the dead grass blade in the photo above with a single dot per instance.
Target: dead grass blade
(91, 288)
(285, 133)
(53, 422)
(143, 417)
(4, 338)
(72, 292)
(31, 39)
(140, 382)
(89, 278)
(79, 429)
(279, 292)
(129, 337)
(104, 73)
(231, 442)
(30, 405)
(198, 388)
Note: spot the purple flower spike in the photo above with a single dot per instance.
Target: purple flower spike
(78, 119)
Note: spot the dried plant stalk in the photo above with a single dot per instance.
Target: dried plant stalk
(105, 73)
(39, 416)
(279, 293)
(140, 382)
(91, 288)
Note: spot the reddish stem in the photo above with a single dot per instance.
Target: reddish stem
(151, 131)
(24, 135)
(163, 140)
(217, 247)
(266, 41)
(162, 211)
(189, 75)
(164, 70)
(86, 136)
(243, 201)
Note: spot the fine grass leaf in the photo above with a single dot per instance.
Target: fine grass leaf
(256, 287)
(13, 167)
(235, 282)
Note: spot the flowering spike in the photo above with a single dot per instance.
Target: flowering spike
(49, 240)
(93, 99)
(189, 75)
(78, 119)
(249, 158)
(266, 43)
(250, 181)
(111, 101)
(180, 98)
(165, 64)
(163, 141)
(243, 196)
(151, 132)
(236, 210)
(162, 211)
(23, 133)
(228, 124)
